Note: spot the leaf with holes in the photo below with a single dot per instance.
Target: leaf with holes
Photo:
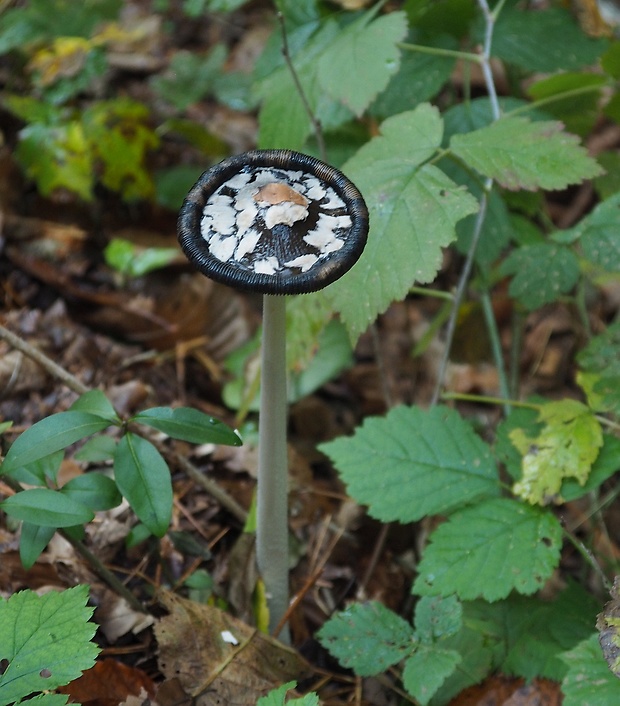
(488, 550)
(521, 154)
(46, 641)
(367, 638)
(413, 463)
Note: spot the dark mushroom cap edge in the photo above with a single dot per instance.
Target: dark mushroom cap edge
(328, 267)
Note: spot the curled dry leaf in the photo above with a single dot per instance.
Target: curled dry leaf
(218, 658)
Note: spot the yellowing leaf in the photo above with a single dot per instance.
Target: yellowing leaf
(566, 447)
(64, 58)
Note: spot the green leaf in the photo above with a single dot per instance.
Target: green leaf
(521, 154)
(601, 353)
(606, 464)
(95, 490)
(39, 472)
(365, 56)
(566, 447)
(96, 403)
(598, 235)
(143, 478)
(544, 41)
(488, 550)
(32, 541)
(99, 448)
(46, 507)
(542, 273)
(367, 638)
(135, 261)
(437, 617)
(391, 464)
(589, 681)
(277, 697)
(413, 211)
(189, 424)
(427, 669)
(46, 641)
(51, 434)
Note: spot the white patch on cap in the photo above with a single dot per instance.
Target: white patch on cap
(334, 200)
(222, 248)
(304, 262)
(324, 237)
(247, 243)
(285, 213)
(238, 181)
(268, 266)
(219, 208)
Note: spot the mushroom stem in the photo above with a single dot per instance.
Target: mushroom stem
(272, 492)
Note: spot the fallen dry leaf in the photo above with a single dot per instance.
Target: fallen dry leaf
(500, 690)
(218, 658)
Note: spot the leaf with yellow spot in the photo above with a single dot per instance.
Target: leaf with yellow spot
(566, 447)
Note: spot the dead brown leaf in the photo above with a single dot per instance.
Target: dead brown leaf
(216, 656)
(500, 690)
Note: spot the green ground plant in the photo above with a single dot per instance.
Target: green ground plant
(441, 167)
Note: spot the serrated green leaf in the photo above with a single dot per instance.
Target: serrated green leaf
(413, 212)
(542, 273)
(598, 235)
(606, 464)
(32, 541)
(94, 490)
(188, 424)
(437, 617)
(391, 465)
(277, 697)
(367, 638)
(96, 403)
(601, 353)
(589, 681)
(365, 56)
(427, 669)
(46, 507)
(490, 549)
(544, 41)
(566, 447)
(50, 435)
(518, 418)
(46, 641)
(143, 477)
(608, 184)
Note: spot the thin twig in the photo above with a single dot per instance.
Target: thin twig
(316, 125)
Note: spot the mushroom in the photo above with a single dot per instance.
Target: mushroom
(273, 222)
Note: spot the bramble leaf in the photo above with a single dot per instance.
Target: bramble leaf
(542, 273)
(487, 550)
(521, 154)
(188, 424)
(367, 638)
(597, 234)
(427, 669)
(589, 681)
(365, 56)
(143, 478)
(51, 434)
(277, 697)
(437, 617)
(46, 641)
(391, 464)
(566, 447)
(413, 212)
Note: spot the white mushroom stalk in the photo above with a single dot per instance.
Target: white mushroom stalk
(274, 222)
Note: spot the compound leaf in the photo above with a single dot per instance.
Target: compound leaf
(427, 669)
(366, 56)
(566, 447)
(413, 463)
(487, 550)
(367, 638)
(46, 641)
(277, 697)
(598, 235)
(542, 273)
(143, 478)
(413, 213)
(521, 154)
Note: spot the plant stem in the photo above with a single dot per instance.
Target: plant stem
(487, 399)
(439, 51)
(272, 493)
(496, 345)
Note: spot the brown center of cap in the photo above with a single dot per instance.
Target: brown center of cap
(277, 192)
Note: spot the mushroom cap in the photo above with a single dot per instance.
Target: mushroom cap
(273, 222)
